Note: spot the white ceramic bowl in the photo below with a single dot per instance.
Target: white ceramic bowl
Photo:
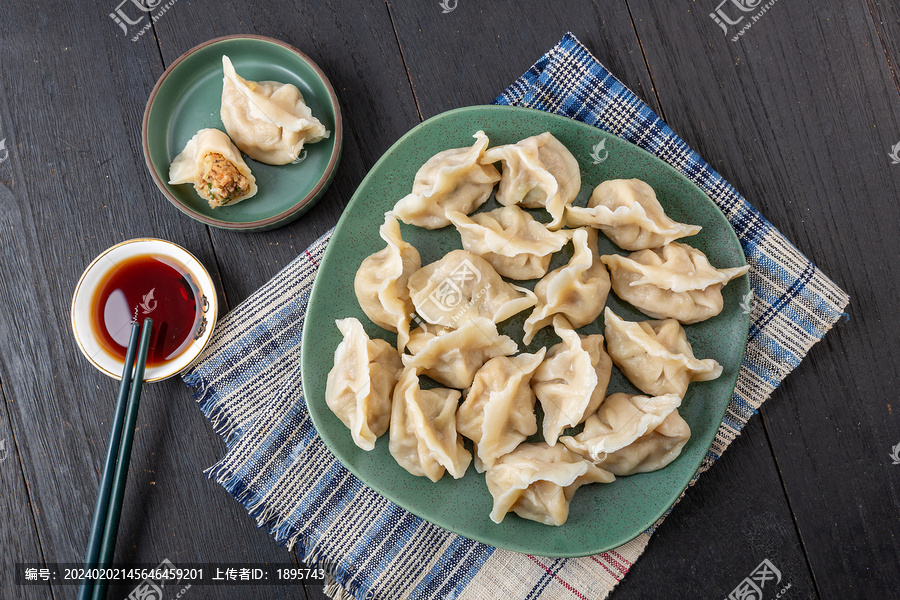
(86, 335)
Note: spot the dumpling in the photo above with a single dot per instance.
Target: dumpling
(215, 167)
(653, 450)
(537, 482)
(450, 180)
(655, 355)
(268, 120)
(498, 413)
(462, 287)
(620, 420)
(537, 172)
(380, 282)
(627, 211)
(511, 240)
(675, 281)
(577, 290)
(453, 358)
(359, 386)
(571, 382)
(423, 439)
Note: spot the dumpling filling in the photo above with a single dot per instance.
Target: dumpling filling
(220, 182)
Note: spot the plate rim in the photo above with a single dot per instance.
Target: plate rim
(268, 222)
(384, 491)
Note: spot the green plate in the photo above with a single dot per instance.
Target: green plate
(601, 516)
(187, 98)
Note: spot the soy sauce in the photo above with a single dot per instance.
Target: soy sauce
(148, 286)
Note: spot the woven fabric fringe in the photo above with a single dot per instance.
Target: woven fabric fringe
(248, 385)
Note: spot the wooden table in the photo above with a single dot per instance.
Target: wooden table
(799, 114)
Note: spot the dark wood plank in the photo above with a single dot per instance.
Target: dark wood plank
(471, 54)
(800, 114)
(722, 530)
(78, 185)
(17, 528)
(354, 44)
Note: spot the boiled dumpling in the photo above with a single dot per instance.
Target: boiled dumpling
(268, 121)
(498, 413)
(675, 281)
(359, 386)
(620, 420)
(571, 382)
(215, 167)
(452, 358)
(449, 180)
(423, 439)
(655, 355)
(627, 211)
(380, 282)
(537, 482)
(510, 239)
(653, 450)
(462, 287)
(577, 290)
(537, 172)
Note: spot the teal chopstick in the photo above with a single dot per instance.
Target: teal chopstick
(96, 535)
(111, 530)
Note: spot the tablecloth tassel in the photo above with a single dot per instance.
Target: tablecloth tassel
(335, 590)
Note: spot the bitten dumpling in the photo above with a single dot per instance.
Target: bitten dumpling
(215, 167)
(577, 290)
(359, 386)
(675, 281)
(462, 287)
(498, 413)
(655, 355)
(380, 282)
(450, 180)
(620, 420)
(424, 440)
(452, 358)
(537, 482)
(268, 120)
(511, 240)
(537, 172)
(571, 382)
(653, 450)
(627, 211)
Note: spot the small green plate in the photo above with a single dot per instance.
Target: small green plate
(601, 516)
(187, 99)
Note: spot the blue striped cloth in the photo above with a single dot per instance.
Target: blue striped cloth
(248, 384)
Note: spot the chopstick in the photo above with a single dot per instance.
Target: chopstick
(105, 524)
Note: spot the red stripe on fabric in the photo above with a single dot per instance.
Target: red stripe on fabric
(315, 262)
(628, 564)
(556, 576)
(608, 557)
(615, 575)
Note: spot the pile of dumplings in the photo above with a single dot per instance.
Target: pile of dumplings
(488, 391)
(266, 120)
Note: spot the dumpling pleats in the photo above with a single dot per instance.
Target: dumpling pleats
(359, 386)
(628, 212)
(452, 180)
(381, 282)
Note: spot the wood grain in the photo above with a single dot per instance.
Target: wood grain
(799, 115)
(78, 185)
(17, 528)
(470, 55)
